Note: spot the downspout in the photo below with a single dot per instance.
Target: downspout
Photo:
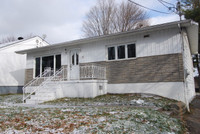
(184, 76)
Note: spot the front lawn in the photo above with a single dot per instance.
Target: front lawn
(131, 113)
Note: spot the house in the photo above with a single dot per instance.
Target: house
(12, 67)
(155, 59)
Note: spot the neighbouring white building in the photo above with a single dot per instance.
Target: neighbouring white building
(13, 65)
(155, 59)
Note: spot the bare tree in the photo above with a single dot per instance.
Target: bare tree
(108, 17)
(8, 39)
(100, 18)
(12, 38)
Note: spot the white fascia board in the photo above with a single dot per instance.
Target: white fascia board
(193, 37)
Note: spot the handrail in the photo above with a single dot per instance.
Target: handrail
(36, 78)
(43, 83)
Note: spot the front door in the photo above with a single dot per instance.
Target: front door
(74, 65)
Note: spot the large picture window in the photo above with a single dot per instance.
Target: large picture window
(47, 62)
(122, 52)
(41, 63)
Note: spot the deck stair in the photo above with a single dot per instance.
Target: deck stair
(40, 89)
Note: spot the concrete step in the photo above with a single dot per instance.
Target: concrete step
(36, 100)
(33, 101)
(33, 97)
(45, 94)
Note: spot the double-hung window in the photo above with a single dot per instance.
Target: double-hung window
(121, 52)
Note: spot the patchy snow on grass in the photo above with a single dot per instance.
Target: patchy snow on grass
(113, 114)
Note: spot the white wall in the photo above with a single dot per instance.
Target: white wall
(188, 67)
(49, 52)
(12, 67)
(159, 43)
(173, 90)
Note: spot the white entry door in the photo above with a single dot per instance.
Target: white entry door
(74, 65)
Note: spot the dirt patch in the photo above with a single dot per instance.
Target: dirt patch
(192, 119)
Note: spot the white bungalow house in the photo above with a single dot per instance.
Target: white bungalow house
(13, 65)
(155, 59)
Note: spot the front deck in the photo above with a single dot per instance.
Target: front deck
(53, 84)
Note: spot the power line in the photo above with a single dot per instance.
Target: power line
(168, 7)
(163, 4)
(167, 2)
(147, 7)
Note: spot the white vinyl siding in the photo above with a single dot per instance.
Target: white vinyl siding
(188, 65)
(158, 43)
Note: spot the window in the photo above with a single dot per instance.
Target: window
(58, 62)
(73, 59)
(47, 62)
(77, 60)
(131, 50)
(37, 67)
(111, 53)
(52, 62)
(121, 52)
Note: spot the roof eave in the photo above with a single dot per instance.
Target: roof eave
(193, 37)
(91, 39)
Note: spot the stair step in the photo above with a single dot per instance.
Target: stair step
(44, 93)
(42, 98)
(31, 101)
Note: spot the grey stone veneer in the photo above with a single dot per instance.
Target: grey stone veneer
(28, 75)
(10, 89)
(161, 68)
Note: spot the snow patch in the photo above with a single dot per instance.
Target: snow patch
(139, 102)
(101, 119)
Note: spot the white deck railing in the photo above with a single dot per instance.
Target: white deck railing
(92, 72)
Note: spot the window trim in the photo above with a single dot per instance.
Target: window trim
(126, 51)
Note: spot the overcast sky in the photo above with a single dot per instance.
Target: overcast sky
(60, 20)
